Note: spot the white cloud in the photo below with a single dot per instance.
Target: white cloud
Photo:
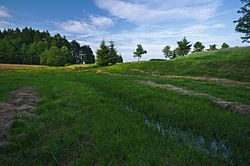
(75, 26)
(93, 26)
(199, 28)
(101, 21)
(154, 39)
(142, 12)
(4, 12)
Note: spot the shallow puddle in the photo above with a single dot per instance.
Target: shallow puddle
(212, 147)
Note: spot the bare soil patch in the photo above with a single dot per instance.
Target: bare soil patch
(17, 66)
(234, 106)
(20, 103)
(212, 79)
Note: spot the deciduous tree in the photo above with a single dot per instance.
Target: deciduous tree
(198, 47)
(167, 52)
(243, 23)
(184, 47)
(212, 47)
(139, 52)
(224, 45)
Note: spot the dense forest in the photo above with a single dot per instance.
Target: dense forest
(29, 46)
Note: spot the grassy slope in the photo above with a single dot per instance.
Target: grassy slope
(232, 63)
(85, 118)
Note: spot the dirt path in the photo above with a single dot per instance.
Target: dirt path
(212, 79)
(17, 66)
(234, 106)
(20, 103)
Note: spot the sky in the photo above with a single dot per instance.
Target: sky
(152, 23)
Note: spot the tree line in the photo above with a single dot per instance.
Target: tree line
(29, 46)
(184, 47)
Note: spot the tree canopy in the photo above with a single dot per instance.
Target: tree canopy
(224, 45)
(26, 46)
(212, 47)
(139, 52)
(243, 23)
(184, 47)
(87, 55)
(107, 55)
(198, 47)
(167, 51)
(54, 56)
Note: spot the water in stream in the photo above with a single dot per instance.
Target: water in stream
(213, 148)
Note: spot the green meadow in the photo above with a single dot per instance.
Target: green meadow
(91, 115)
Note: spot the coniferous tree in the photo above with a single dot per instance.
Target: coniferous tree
(112, 56)
(139, 52)
(102, 54)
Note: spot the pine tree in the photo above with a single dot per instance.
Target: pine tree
(102, 54)
(112, 56)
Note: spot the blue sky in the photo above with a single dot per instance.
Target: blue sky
(152, 23)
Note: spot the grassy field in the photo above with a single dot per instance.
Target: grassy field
(102, 116)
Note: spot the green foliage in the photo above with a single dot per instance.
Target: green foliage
(87, 55)
(167, 51)
(139, 51)
(54, 56)
(224, 45)
(102, 55)
(112, 56)
(107, 55)
(25, 46)
(184, 47)
(212, 47)
(243, 23)
(119, 59)
(75, 53)
(198, 47)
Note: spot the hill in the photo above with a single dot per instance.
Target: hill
(231, 63)
(192, 110)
